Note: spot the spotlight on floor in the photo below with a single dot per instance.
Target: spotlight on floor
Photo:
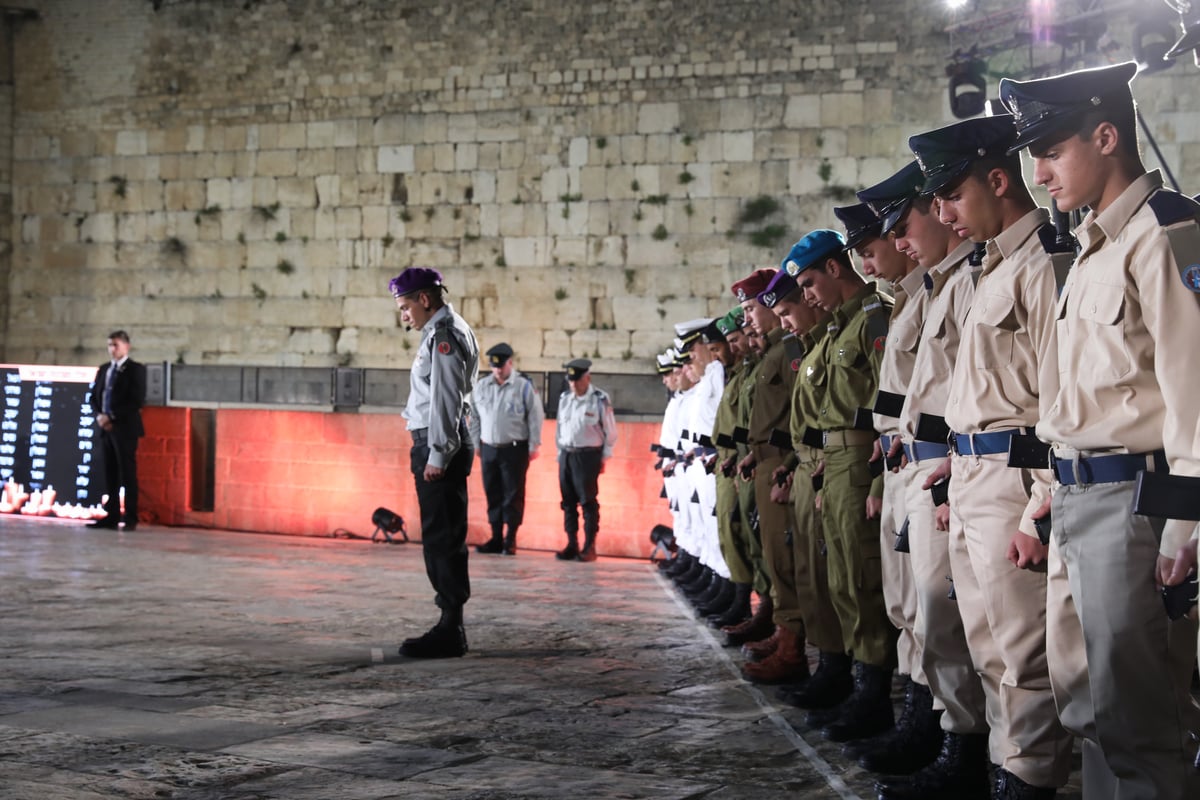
(388, 522)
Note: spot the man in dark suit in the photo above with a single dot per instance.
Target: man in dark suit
(117, 397)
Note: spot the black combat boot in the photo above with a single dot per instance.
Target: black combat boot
(960, 772)
(720, 602)
(739, 608)
(510, 540)
(447, 639)
(913, 743)
(868, 711)
(707, 592)
(1010, 787)
(827, 688)
(681, 563)
(496, 543)
(759, 626)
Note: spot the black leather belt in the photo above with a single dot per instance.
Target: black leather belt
(508, 445)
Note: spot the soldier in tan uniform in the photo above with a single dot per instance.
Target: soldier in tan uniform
(908, 220)
(994, 547)
(1127, 328)
(783, 661)
(852, 498)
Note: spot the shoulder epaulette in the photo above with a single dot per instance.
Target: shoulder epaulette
(1062, 252)
(1170, 207)
(878, 309)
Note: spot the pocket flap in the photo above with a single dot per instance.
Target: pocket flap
(1102, 303)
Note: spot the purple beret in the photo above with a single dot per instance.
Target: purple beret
(780, 287)
(414, 279)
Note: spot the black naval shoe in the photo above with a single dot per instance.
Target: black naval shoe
(510, 549)
(588, 553)
(492, 546)
(440, 641)
(568, 553)
(103, 523)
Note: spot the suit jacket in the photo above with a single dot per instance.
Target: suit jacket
(128, 396)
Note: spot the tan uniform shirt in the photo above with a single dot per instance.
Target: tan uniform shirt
(904, 334)
(951, 290)
(1128, 334)
(1011, 323)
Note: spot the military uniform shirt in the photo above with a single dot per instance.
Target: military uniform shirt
(507, 412)
(950, 290)
(442, 377)
(904, 335)
(586, 421)
(852, 357)
(772, 388)
(1128, 336)
(995, 385)
(808, 396)
(727, 411)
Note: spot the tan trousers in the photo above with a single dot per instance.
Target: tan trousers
(1004, 614)
(812, 573)
(938, 626)
(775, 523)
(1120, 669)
(899, 590)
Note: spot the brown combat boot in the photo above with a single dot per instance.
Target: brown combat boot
(788, 664)
(760, 650)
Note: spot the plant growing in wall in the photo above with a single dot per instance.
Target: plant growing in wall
(660, 232)
(280, 236)
(260, 294)
(267, 213)
(755, 213)
(387, 241)
(120, 185)
(174, 247)
(208, 212)
(285, 267)
(560, 293)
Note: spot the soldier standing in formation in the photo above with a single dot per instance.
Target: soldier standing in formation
(506, 429)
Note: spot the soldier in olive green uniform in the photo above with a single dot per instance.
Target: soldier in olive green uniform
(852, 495)
(784, 660)
(739, 556)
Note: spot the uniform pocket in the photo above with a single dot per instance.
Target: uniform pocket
(996, 325)
(1102, 310)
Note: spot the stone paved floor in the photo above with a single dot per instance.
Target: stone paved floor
(172, 663)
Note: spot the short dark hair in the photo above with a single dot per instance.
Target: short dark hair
(119, 334)
(1009, 164)
(841, 257)
(1123, 119)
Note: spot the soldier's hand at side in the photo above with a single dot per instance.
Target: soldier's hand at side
(820, 470)
(778, 474)
(874, 507)
(876, 452)
(941, 517)
(533, 454)
(1172, 571)
(941, 473)
(1026, 552)
(781, 494)
(603, 464)
(898, 447)
(746, 467)
(433, 473)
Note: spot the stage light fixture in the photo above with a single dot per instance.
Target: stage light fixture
(968, 84)
(1189, 21)
(1151, 41)
(388, 522)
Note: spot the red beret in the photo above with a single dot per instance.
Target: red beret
(753, 285)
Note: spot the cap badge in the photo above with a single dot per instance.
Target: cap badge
(792, 268)
(768, 299)
(741, 294)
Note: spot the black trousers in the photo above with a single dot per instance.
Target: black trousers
(504, 470)
(120, 469)
(578, 481)
(443, 506)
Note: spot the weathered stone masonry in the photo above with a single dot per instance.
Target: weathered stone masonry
(235, 181)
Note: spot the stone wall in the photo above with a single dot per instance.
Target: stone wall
(234, 181)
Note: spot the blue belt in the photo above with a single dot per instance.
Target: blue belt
(922, 451)
(885, 441)
(1108, 469)
(985, 444)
